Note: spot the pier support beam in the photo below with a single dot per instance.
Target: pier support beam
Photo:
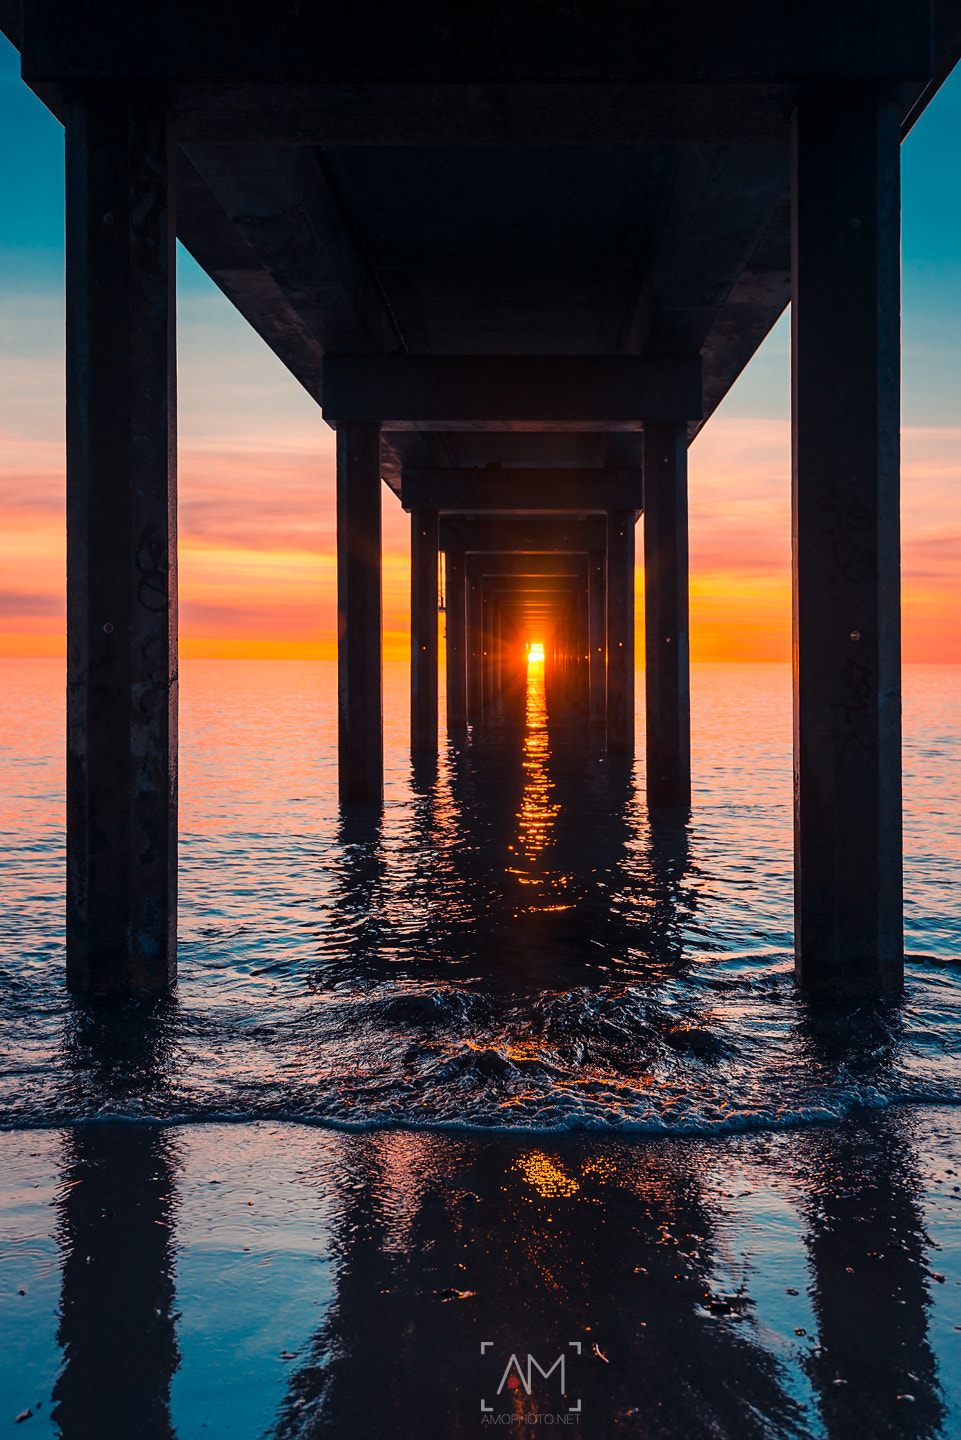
(845, 400)
(597, 628)
(620, 632)
(475, 649)
(359, 641)
(121, 546)
(423, 631)
(667, 672)
(456, 617)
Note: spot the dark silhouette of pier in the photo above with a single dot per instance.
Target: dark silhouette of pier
(518, 254)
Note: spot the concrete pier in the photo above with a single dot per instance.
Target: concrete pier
(663, 203)
(456, 659)
(667, 673)
(423, 631)
(847, 664)
(597, 637)
(121, 544)
(475, 649)
(620, 632)
(359, 629)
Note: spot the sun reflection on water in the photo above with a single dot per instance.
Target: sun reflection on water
(538, 809)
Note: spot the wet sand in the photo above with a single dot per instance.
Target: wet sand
(294, 1281)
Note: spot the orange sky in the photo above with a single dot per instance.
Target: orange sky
(257, 545)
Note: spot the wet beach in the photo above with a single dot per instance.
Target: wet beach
(291, 1280)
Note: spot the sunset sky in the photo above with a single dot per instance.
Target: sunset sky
(257, 570)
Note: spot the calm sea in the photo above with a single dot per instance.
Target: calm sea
(513, 944)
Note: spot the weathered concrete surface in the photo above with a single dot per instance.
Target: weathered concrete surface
(667, 672)
(597, 636)
(535, 533)
(847, 662)
(496, 392)
(620, 632)
(121, 546)
(423, 631)
(527, 565)
(524, 490)
(456, 620)
(359, 631)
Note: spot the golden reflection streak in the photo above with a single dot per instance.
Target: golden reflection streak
(538, 812)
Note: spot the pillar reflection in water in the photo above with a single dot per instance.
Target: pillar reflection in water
(526, 852)
(874, 1369)
(528, 1246)
(631, 1250)
(117, 1324)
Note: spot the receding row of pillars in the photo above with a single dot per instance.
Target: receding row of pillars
(600, 622)
(121, 522)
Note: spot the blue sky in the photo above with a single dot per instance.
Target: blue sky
(31, 254)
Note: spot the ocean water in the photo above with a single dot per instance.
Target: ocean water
(510, 1071)
(513, 944)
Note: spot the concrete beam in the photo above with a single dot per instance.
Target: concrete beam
(492, 563)
(423, 631)
(535, 533)
(667, 670)
(437, 392)
(513, 450)
(121, 546)
(524, 490)
(456, 622)
(847, 665)
(474, 602)
(359, 633)
(211, 236)
(532, 584)
(620, 633)
(439, 113)
(285, 206)
(759, 41)
(597, 637)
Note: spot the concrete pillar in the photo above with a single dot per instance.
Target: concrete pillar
(498, 638)
(359, 643)
(487, 647)
(847, 669)
(121, 545)
(583, 649)
(667, 674)
(456, 640)
(475, 649)
(597, 624)
(423, 631)
(620, 632)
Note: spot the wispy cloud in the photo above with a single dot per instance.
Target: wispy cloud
(258, 541)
